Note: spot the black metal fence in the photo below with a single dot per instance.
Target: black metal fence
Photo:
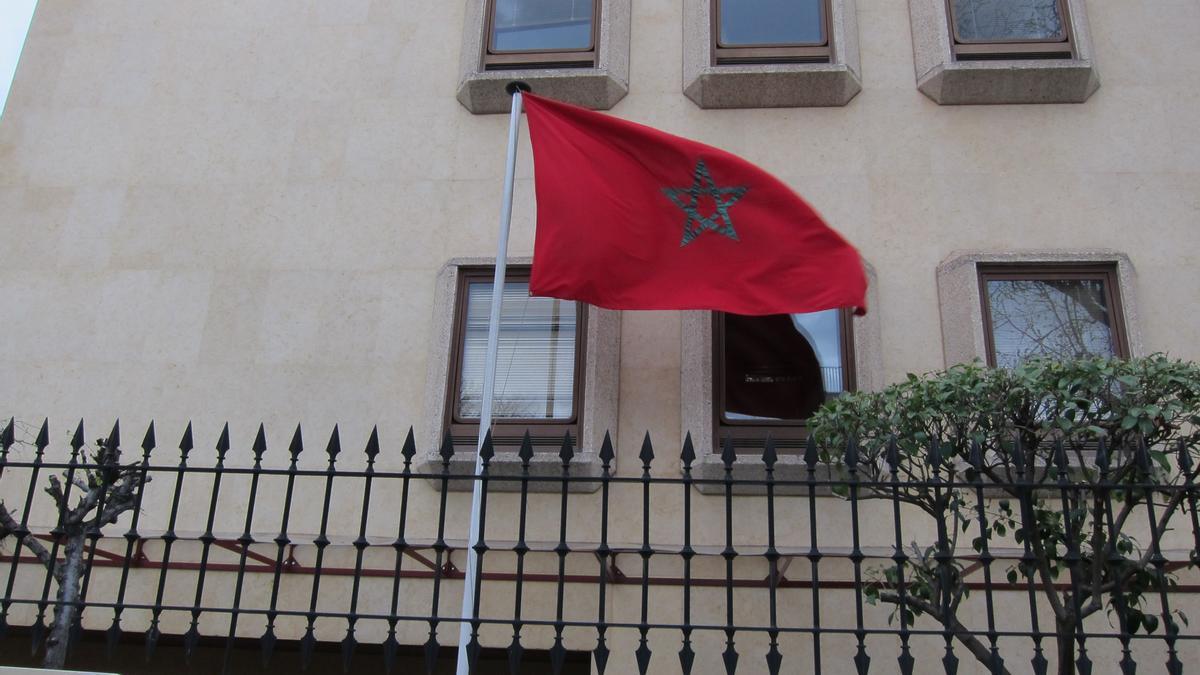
(988, 558)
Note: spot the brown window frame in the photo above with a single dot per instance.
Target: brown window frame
(1054, 272)
(772, 53)
(494, 59)
(749, 436)
(507, 433)
(982, 50)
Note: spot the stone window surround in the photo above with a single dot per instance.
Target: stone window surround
(770, 85)
(602, 359)
(952, 82)
(961, 306)
(696, 384)
(482, 91)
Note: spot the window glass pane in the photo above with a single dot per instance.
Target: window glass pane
(984, 20)
(1064, 319)
(771, 22)
(525, 25)
(781, 367)
(535, 368)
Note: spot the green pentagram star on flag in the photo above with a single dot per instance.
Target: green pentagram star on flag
(688, 199)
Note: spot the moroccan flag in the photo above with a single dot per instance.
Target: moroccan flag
(630, 217)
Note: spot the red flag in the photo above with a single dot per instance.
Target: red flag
(630, 217)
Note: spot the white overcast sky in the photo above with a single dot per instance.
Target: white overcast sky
(14, 23)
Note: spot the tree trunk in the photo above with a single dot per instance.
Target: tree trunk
(1065, 636)
(68, 595)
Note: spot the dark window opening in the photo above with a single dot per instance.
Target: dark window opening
(774, 372)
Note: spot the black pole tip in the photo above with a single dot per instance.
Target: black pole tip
(515, 86)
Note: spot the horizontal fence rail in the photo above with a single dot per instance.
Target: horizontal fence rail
(990, 556)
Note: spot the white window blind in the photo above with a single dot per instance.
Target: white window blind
(535, 368)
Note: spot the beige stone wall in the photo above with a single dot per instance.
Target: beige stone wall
(237, 210)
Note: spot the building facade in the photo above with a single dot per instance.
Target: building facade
(279, 211)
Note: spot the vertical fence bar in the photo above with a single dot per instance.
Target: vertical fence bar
(686, 654)
(113, 634)
(244, 541)
(1025, 495)
(360, 548)
(1186, 466)
(515, 650)
(37, 632)
(439, 549)
(861, 660)
(774, 658)
(309, 641)
(905, 661)
(478, 546)
(282, 541)
(92, 532)
(600, 653)
(152, 632)
(811, 457)
(1103, 506)
(944, 554)
(995, 662)
(1170, 629)
(400, 546)
(192, 637)
(22, 531)
(1073, 557)
(558, 652)
(643, 651)
(730, 655)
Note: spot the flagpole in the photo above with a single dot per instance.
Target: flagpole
(489, 379)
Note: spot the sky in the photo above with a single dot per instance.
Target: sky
(14, 23)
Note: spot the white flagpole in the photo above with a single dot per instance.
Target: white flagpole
(489, 378)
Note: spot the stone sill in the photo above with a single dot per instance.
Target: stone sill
(483, 92)
(1015, 81)
(774, 86)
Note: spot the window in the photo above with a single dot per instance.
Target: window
(772, 372)
(770, 31)
(575, 51)
(990, 29)
(1063, 312)
(972, 52)
(541, 34)
(770, 53)
(539, 366)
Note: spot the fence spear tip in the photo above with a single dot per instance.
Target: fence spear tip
(114, 436)
(43, 437)
(689, 451)
(223, 441)
(410, 447)
(77, 439)
(606, 450)
(297, 444)
(185, 443)
(335, 444)
(647, 453)
(260, 442)
(372, 448)
(148, 441)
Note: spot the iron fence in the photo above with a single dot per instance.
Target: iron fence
(870, 559)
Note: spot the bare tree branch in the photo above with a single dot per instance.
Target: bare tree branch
(9, 525)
